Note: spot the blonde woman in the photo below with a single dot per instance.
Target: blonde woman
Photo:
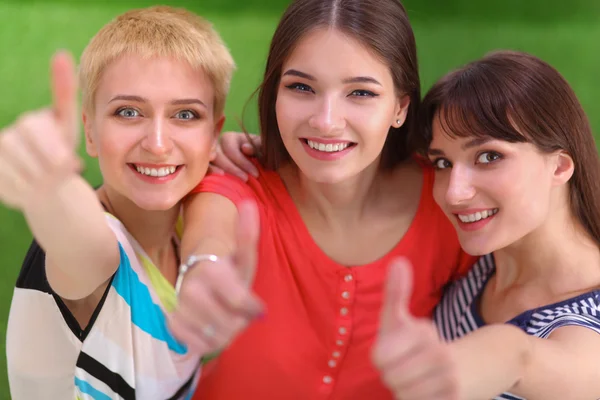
(89, 314)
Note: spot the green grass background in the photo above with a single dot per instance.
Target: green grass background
(449, 33)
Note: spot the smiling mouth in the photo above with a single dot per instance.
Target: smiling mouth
(328, 147)
(156, 172)
(477, 216)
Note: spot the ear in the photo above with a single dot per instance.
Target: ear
(216, 134)
(564, 168)
(401, 111)
(90, 145)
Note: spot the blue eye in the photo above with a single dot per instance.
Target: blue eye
(300, 87)
(488, 157)
(128, 112)
(186, 114)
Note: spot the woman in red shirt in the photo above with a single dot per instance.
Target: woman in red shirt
(339, 196)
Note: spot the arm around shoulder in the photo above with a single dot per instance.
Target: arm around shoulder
(210, 221)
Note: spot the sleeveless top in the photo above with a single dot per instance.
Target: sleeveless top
(458, 313)
(125, 352)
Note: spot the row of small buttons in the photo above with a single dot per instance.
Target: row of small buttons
(344, 324)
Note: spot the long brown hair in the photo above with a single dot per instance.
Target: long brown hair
(517, 97)
(381, 25)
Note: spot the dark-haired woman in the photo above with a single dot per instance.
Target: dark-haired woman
(517, 173)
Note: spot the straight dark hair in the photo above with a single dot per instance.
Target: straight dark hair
(516, 97)
(381, 25)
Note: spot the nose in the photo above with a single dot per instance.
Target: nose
(460, 186)
(328, 117)
(157, 140)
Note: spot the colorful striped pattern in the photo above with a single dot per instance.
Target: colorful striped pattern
(128, 353)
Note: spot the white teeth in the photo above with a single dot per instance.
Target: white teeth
(160, 172)
(477, 216)
(328, 148)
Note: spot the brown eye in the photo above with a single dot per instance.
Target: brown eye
(488, 157)
(442, 163)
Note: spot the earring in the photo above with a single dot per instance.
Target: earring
(398, 122)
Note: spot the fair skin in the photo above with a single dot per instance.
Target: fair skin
(156, 113)
(333, 90)
(542, 256)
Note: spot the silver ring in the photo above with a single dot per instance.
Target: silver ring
(209, 331)
(185, 267)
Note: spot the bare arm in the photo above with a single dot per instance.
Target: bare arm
(81, 250)
(215, 301)
(490, 360)
(563, 366)
(498, 358)
(209, 225)
(38, 175)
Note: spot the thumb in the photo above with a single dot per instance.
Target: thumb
(398, 294)
(247, 234)
(64, 95)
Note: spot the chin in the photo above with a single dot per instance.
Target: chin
(326, 177)
(157, 203)
(477, 246)
(326, 174)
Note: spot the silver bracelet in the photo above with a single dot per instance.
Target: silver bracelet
(191, 262)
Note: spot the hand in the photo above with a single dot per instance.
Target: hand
(232, 152)
(215, 302)
(39, 151)
(413, 361)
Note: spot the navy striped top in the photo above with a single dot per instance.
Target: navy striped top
(457, 313)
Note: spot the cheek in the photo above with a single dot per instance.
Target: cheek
(440, 187)
(290, 114)
(372, 121)
(527, 196)
(196, 147)
(115, 140)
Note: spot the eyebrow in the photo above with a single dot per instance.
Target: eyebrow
(140, 99)
(299, 74)
(354, 79)
(362, 79)
(469, 145)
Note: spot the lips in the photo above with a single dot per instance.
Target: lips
(476, 216)
(155, 171)
(328, 147)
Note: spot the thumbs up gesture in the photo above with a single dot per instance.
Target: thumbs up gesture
(414, 363)
(39, 150)
(215, 300)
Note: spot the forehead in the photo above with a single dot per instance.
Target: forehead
(330, 53)
(156, 77)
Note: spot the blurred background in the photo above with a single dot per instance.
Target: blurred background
(449, 33)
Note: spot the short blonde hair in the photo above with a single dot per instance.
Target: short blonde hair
(158, 31)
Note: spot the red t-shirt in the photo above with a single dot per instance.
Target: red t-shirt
(322, 317)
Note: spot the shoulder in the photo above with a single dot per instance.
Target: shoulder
(33, 273)
(473, 282)
(265, 189)
(580, 311)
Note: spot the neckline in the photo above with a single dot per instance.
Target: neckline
(163, 289)
(522, 318)
(290, 208)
